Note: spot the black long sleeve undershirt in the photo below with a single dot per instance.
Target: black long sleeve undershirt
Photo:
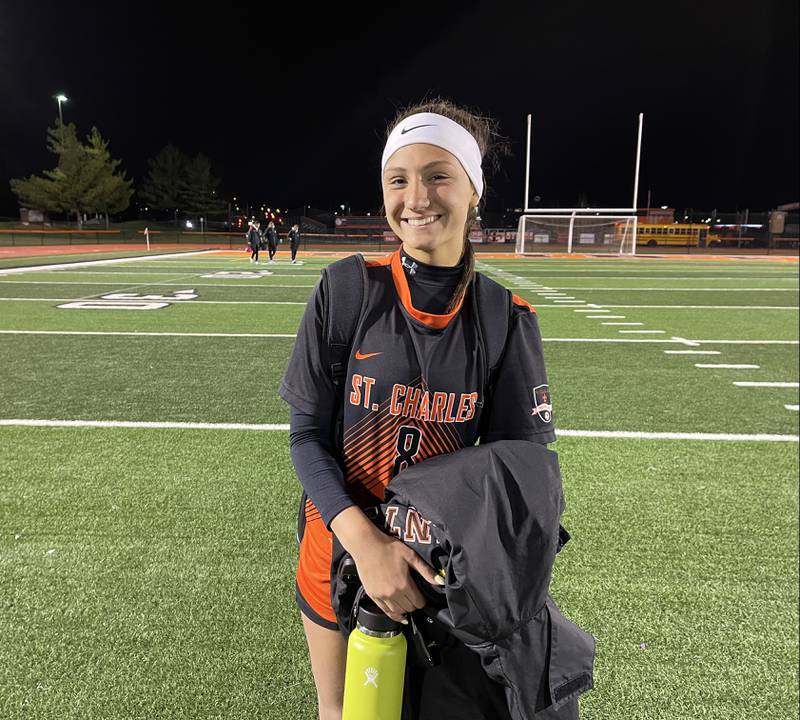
(312, 456)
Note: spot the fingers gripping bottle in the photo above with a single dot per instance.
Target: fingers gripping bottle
(376, 664)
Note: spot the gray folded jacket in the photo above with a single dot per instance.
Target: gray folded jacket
(488, 517)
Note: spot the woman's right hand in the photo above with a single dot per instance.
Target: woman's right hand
(384, 564)
(384, 567)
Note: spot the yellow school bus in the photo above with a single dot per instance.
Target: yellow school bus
(687, 235)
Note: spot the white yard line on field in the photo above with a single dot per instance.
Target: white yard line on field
(678, 271)
(677, 436)
(747, 342)
(172, 300)
(723, 366)
(691, 352)
(88, 263)
(677, 289)
(147, 334)
(558, 278)
(156, 425)
(233, 284)
(708, 307)
(226, 268)
(658, 341)
(746, 383)
(121, 273)
(279, 427)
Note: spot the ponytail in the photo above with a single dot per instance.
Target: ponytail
(468, 258)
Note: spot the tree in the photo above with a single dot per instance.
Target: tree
(111, 191)
(53, 191)
(198, 189)
(162, 188)
(84, 180)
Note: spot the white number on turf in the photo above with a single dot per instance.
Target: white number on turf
(111, 305)
(129, 301)
(241, 275)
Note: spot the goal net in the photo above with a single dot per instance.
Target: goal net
(577, 232)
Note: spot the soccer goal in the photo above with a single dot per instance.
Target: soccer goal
(583, 231)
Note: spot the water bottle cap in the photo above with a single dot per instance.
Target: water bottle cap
(371, 617)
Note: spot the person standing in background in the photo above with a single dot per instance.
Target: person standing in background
(272, 241)
(294, 241)
(253, 241)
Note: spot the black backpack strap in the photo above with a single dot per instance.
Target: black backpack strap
(344, 285)
(491, 304)
(344, 288)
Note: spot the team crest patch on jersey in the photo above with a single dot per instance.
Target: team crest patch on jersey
(541, 403)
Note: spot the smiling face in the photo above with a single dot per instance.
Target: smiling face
(428, 195)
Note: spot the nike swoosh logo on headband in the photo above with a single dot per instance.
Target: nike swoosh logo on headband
(405, 130)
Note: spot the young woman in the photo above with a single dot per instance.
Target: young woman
(272, 241)
(253, 241)
(294, 241)
(414, 380)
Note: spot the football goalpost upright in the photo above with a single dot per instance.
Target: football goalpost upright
(589, 230)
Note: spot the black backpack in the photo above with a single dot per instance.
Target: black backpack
(344, 285)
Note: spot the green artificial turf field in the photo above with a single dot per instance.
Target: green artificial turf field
(147, 572)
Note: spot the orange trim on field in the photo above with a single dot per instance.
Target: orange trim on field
(35, 251)
(60, 232)
(517, 300)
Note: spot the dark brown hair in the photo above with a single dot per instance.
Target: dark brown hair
(491, 145)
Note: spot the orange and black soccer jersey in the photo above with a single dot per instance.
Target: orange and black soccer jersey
(413, 390)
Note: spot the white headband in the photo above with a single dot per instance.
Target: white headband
(433, 129)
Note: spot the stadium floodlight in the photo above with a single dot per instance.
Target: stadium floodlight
(61, 99)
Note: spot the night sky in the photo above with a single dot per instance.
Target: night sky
(291, 104)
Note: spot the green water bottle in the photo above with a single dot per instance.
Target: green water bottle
(376, 665)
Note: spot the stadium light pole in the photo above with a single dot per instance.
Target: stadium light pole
(61, 99)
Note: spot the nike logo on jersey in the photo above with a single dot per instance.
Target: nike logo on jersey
(365, 356)
(407, 130)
